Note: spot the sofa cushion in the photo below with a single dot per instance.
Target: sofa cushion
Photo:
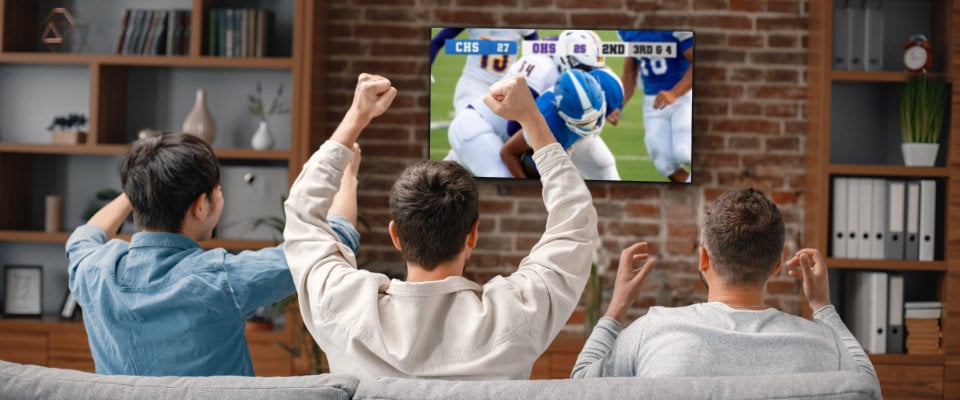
(823, 385)
(20, 382)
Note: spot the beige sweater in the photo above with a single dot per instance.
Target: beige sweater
(370, 326)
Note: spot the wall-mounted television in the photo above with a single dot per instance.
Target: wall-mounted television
(619, 101)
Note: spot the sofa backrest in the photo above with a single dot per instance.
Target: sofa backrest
(822, 385)
(23, 382)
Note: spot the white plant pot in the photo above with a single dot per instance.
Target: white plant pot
(919, 154)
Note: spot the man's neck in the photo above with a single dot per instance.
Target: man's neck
(737, 297)
(416, 273)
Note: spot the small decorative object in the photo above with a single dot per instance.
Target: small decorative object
(70, 309)
(23, 290)
(53, 215)
(263, 137)
(68, 129)
(917, 54)
(922, 105)
(56, 26)
(199, 122)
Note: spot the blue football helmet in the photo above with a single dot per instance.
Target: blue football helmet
(580, 102)
(612, 88)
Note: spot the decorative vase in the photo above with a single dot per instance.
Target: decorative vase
(199, 122)
(262, 138)
(919, 154)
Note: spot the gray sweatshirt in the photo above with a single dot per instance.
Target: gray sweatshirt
(714, 339)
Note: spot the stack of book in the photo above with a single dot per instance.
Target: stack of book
(923, 327)
(239, 32)
(154, 32)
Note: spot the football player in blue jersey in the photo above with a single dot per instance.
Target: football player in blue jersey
(575, 110)
(668, 99)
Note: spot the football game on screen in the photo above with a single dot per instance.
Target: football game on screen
(619, 102)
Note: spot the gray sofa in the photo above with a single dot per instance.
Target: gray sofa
(23, 382)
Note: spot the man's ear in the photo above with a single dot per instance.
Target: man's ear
(777, 267)
(200, 208)
(394, 237)
(474, 235)
(704, 259)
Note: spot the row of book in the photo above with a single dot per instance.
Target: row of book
(858, 35)
(875, 218)
(880, 319)
(154, 32)
(239, 32)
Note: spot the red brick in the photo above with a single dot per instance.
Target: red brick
(743, 143)
(710, 73)
(779, 58)
(454, 17)
(744, 109)
(783, 144)
(744, 40)
(747, 5)
(744, 125)
(781, 24)
(776, 40)
(781, 110)
(538, 18)
(781, 75)
(642, 210)
(711, 108)
(779, 92)
(746, 75)
(785, 6)
(722, 56)
(601, 19)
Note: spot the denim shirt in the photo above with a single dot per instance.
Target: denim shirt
(161, 305)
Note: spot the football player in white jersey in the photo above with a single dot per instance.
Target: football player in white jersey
(479, 71)
(477, 134)
(667, 102)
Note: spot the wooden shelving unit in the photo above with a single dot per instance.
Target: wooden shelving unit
(111, 86)
(901, 375)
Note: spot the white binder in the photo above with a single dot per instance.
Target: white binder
(841, 35)
(866, 311)
(928, 219)
(853, 217)
(839, 218)
(878, 221)
(912, 240)
(858, 30)
(864, 221)
(873, 35)
(894, 236)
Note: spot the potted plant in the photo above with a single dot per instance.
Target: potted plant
(922, 105)
(68, 129)
(263, 137)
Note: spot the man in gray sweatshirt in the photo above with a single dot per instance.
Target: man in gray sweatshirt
(734, 332)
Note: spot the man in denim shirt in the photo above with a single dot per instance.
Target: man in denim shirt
(161, 305)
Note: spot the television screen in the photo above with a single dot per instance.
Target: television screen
(620, 102)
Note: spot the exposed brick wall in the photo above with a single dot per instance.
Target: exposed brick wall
(749, 129)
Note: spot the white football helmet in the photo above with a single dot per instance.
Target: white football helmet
(578, 49)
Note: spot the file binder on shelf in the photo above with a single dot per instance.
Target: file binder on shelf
(841, 35)
(928, 219)
(864, 227)
(912, 240)
(873, 35)
(853, 217)
(866, 311)
(857, 34)
(878, 220)
(839, 218)
(894, 235)
(895, 328)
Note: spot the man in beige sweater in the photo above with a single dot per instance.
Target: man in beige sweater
(436, 323)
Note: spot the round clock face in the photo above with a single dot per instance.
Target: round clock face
(914, 58)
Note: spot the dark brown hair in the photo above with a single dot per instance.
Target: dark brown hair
(162, 175)
(433, 205)
(744, 234)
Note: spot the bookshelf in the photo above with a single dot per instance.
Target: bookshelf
(853, 131)
(122, 93)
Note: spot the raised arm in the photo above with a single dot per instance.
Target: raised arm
(549, 281)
(811, 266)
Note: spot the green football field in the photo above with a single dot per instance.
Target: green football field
(625, 140)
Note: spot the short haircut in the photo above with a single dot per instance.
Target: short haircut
(744, 234)
(162, 175)
(433, 205)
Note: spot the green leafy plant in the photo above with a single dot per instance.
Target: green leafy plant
(72, 121)
(922, 105)
(257, 108)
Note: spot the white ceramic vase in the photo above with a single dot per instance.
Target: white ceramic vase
(919, 154)
(263, 137)
(199, 122)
